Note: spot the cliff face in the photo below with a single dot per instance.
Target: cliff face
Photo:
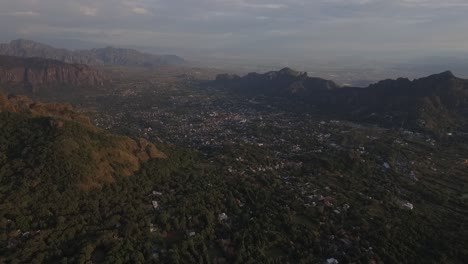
(33, 74)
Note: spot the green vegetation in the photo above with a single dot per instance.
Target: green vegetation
(46, 217)
(260, 184)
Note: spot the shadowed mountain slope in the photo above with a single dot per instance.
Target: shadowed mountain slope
(437, 102)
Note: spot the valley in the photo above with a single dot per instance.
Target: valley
(233, 131)
(248, 178)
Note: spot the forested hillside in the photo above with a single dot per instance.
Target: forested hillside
(68, 197)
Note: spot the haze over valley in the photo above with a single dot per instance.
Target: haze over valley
(244, 131)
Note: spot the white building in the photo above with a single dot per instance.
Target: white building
(408, 206)
(155, 204)
(222, 217)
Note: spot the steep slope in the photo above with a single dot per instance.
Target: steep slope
(34, 74)
(96, 57)
(51, 144)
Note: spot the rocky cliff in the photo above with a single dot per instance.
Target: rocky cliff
(33, 74)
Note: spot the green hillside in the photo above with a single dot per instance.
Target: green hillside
(48, 141)
(68, 197)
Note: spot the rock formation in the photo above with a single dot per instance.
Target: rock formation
(33, 74)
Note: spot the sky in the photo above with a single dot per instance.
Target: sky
(263, 28)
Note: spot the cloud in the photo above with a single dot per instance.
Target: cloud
(267, 6)
(140, 10)
(137, 7)
(435, 3)
(88, 11)
(25, 13)
(258, 26)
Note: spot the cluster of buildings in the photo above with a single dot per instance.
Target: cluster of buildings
(267, 140)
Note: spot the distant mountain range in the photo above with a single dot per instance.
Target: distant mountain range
(436, 102)
(96, 57)
(30, 75)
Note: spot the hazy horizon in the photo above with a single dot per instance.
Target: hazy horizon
(255, 29)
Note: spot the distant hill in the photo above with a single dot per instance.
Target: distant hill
(276, 83)
(52, 144)
(28, 75)
(436, 102)
(103, 56)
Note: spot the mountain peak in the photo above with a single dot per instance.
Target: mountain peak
(22, 41)
(26, 43)
(438, 78)
(285, 82)
(288, 71)
(445, 75)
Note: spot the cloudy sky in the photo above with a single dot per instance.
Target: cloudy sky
(263, 27)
